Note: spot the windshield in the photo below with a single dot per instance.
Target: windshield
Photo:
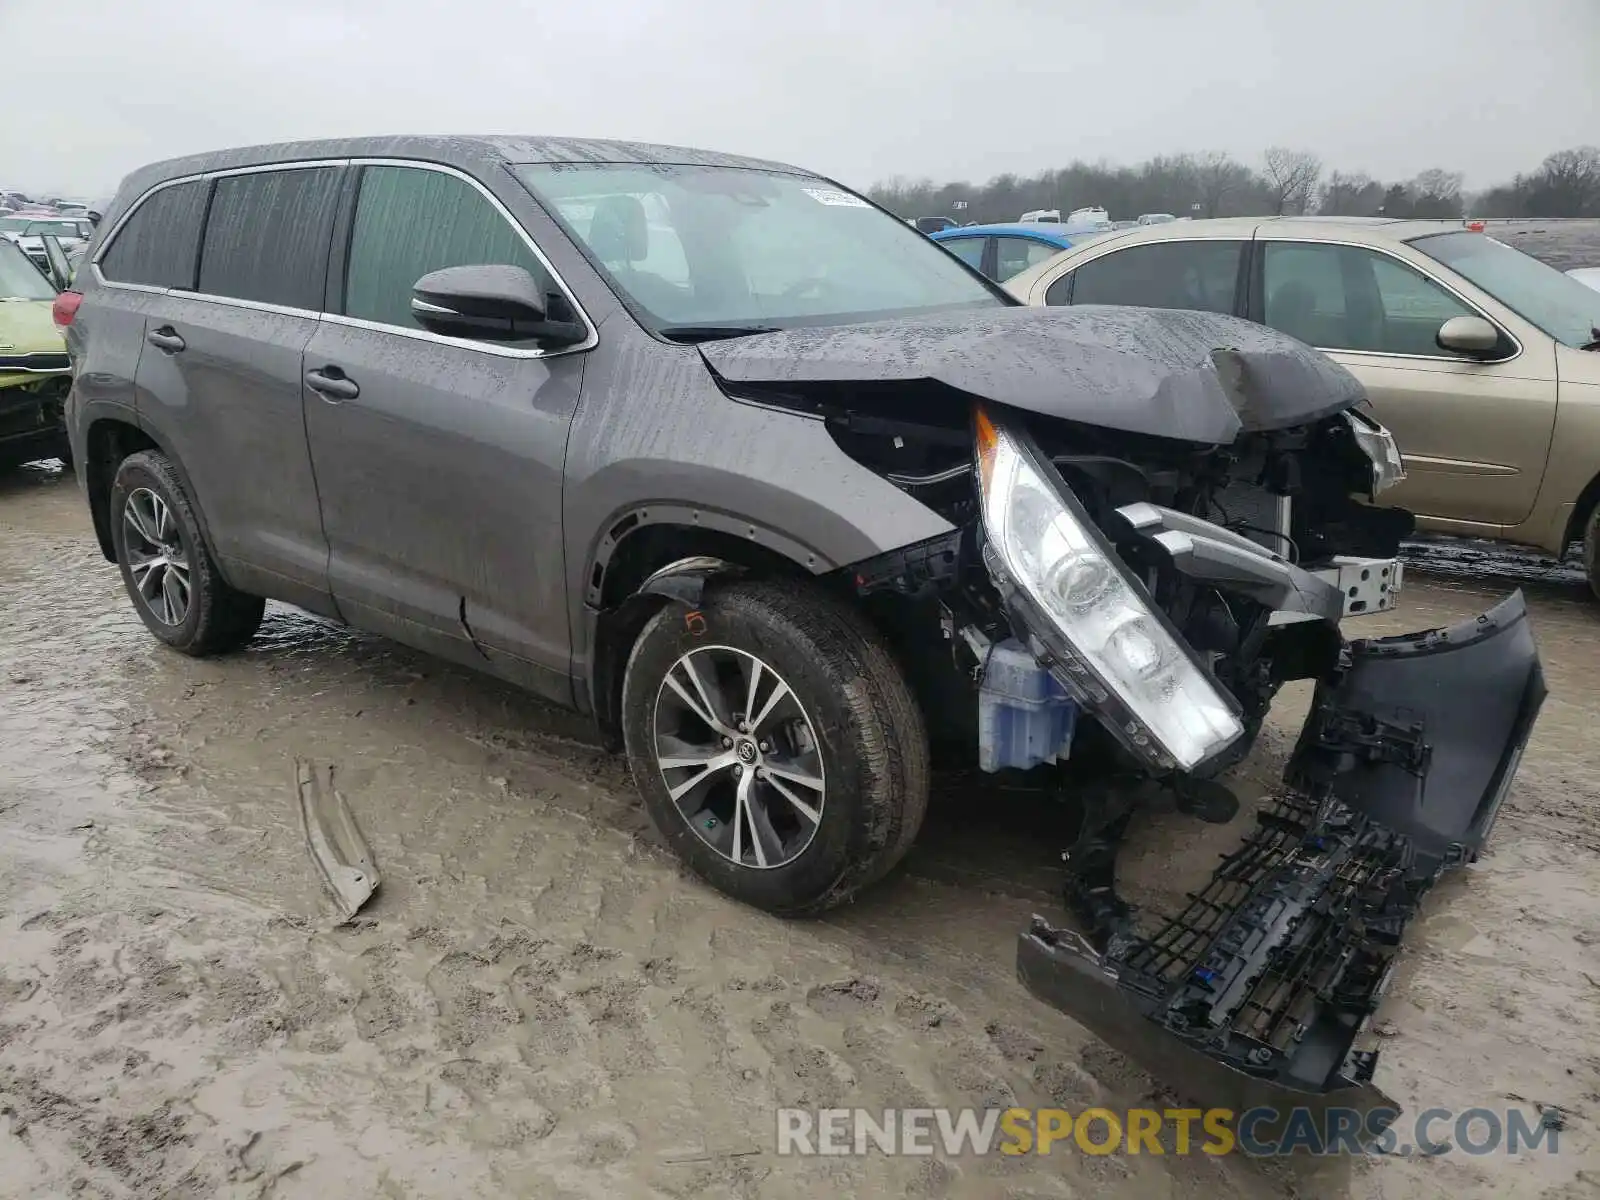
(14, 224)
(19, 278)
(716, 248)
(1558, 304)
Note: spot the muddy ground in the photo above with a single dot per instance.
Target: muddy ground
(540, 1003)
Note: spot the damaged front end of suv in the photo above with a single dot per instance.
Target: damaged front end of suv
(1159, 519)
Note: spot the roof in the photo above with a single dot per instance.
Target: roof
(1037, 231)
(466, 152)
(1375, 228)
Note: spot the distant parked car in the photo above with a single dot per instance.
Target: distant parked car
(26, 231)
(34, 371)
(1589, 276)
(1463, 345)
(931, 224)
(1003, 250)
(1155, 218)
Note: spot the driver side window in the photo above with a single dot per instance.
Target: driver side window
(1351, 298)
(410, 221)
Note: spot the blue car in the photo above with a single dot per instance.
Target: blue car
(1001, 251)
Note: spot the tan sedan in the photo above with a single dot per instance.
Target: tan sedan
(1480, 359)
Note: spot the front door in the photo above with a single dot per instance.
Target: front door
(1475, 435)
(439, 460)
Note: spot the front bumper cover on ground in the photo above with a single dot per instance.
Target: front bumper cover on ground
(1254, 993)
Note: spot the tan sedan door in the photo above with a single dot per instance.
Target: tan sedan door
(1475, 432)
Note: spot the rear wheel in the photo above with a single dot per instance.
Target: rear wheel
(170, 575)
(777, 745)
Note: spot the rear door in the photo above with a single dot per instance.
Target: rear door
(1475, 434)
(219, 378)
(439, 459)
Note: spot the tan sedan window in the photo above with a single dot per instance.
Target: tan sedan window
(1351, 298)
(1199, 274)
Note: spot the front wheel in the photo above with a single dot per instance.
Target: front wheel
(777, 745)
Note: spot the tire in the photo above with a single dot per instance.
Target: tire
(848, 722)
(215, 618)
(1591, 551)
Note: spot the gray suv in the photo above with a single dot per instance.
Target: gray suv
(789, 497)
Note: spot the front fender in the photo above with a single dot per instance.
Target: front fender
(656, 441)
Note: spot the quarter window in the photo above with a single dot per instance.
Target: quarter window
(267, 236)
(968, 249)
(1200, 275)
(1352, 298)
(159, 245)
(410, 221)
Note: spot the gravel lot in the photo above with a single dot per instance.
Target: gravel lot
(1562, 244)
(540, 1003)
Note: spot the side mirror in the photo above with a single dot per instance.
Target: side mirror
(1468, 335)
(492, 303)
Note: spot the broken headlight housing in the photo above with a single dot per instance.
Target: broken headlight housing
(1114, 648)
(1388, 467)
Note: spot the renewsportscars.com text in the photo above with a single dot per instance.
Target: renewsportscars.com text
(1258, 1132)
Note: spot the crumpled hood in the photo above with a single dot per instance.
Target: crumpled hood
(1197, 376)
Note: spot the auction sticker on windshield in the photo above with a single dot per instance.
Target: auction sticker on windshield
(836, 198)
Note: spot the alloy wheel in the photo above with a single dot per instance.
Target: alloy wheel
(157, 559)
(739, 756)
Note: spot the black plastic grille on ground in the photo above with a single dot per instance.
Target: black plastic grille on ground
(1290, 930)
(1177, 948)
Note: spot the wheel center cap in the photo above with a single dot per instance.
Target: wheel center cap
(746, 750)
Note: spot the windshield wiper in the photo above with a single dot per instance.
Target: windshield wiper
(711, 333)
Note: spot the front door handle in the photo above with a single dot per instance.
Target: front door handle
(332, 384)
(166, 338)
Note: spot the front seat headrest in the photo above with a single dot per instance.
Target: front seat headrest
(619, 232)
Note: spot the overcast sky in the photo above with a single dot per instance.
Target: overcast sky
(859, 89)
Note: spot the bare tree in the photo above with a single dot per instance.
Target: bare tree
(1436, 193)
(1567, 184)
(1292, 177)
(1219, 178)
(1352, 195)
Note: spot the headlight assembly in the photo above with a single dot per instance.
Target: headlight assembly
(1116, 651)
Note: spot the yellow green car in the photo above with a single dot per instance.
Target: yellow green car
(34, 371)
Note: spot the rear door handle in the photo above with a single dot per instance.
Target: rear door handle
(332, 384)
(166, 338)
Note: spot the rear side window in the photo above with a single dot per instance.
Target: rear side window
(410, 221)
(160, 244)
(1201, 275)
(267, 236)
(1016, 255)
